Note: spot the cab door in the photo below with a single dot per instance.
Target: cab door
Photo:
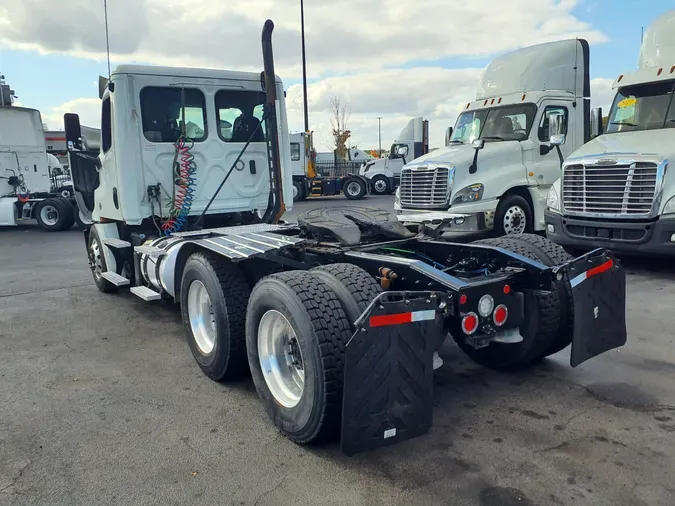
(545, 168)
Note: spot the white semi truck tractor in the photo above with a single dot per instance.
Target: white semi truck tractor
(26, 184)
(384, 174)
(618, 190)
(337, 318)
(499, 162)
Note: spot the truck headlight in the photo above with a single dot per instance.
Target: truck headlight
(469, 194)
(367, 166)
(552, 200)
(397, 196)
(669, 208)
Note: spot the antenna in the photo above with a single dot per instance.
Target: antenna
(107, 41)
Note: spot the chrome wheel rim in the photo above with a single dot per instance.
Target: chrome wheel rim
(295, 192)
(281, 359)
(353, 188)
(49, 215)
(95, 259)
(515, 220)
(380, 186)
(202, 318)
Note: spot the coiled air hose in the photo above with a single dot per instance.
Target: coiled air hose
(184, 187)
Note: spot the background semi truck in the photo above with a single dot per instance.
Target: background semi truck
(29, 187)
(337, 318)
(499, 163)
(617, 190)
(325, 175)
(384, 174)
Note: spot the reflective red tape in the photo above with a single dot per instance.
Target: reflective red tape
(399, 318)
(592, 272)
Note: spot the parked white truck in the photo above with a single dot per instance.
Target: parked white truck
(615, 191)
(499, 164)
(384, 174)
(26, 185)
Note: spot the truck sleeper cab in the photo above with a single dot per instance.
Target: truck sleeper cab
(499, 163)
(616, 191)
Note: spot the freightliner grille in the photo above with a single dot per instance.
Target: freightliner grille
(610, 189)
(424, 187)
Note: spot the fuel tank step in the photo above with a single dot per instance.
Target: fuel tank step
(145, 293)
(115, 278)
(151, 251)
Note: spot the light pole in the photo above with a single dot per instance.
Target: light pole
(304, 63)
(379, 135)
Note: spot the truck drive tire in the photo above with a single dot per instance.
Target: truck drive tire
(513, 216)
(54, 214)
(551, 254)
(353, 286)
(540, 328)
(213, 298)
(296, 333)
(354, 188)
(380, 185)
(298, 191)
(97, 262)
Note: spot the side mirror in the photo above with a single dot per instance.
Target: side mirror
(596, 122)
(478, 144)
(556, 129)
(448, 136)
(71, 124)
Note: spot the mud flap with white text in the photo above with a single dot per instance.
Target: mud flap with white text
(598, 286)
(388, 384)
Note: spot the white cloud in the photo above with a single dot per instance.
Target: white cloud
(602, 93)
(89, 110)
(342, 35)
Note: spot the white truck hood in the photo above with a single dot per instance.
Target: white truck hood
(500, 164)
(660, 143)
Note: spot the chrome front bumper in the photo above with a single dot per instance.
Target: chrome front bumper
(450, 222)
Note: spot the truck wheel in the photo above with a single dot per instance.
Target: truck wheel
(513, 216)
(97, 262)
(213, 298)
(353, 286)
(354, 188)
(552, 254)
(539, 330)
(298, 191)
(380, 185)
(296, 333)
(54, 214)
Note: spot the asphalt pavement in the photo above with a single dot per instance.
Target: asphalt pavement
(101, 402)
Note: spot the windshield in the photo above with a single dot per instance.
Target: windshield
(508, 123)
(642, 107)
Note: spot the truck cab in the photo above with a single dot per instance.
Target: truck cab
(177, 124)
(499, 163)
(615, 191)
(384, 174)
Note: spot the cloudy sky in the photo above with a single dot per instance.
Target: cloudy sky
(391, 58)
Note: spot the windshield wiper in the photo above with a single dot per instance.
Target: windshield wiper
(456, 142)
(493, 137)
(622, 123)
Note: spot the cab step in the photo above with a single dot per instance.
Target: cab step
(115, 278)
(113, 242)
(151, 251)
(145, 293)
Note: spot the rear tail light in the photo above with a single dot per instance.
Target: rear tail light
(500, 315)
(470, 323)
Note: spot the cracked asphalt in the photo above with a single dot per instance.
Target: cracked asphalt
(102, 403)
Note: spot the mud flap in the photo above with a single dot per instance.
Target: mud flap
(388, 384)
(598, 286)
